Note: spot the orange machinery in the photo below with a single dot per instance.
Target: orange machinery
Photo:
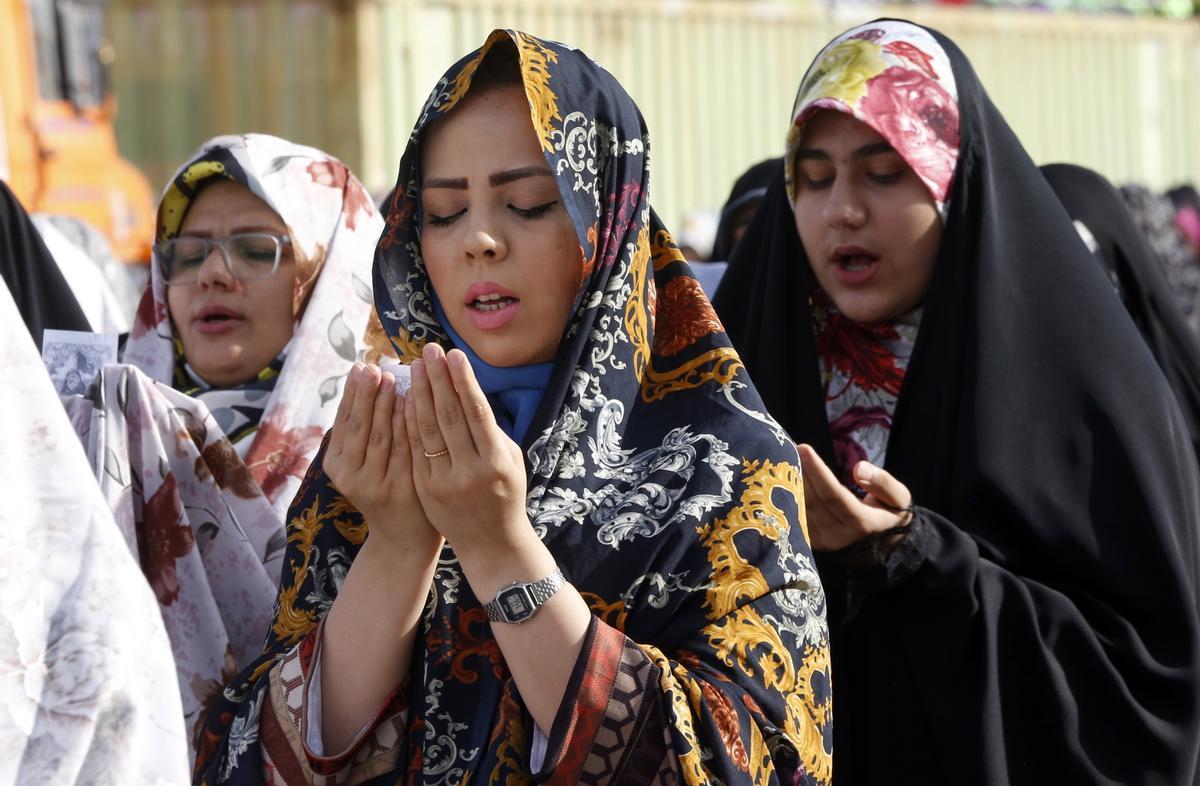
(58, 149)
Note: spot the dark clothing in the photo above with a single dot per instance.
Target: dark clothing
(748, 189)
(42, 295)
(1039, 624)
(1143, 286)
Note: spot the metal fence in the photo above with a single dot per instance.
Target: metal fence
(714, 79)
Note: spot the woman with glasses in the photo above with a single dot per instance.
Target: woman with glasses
(257, 308)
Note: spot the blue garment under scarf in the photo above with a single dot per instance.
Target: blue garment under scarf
(514, 392)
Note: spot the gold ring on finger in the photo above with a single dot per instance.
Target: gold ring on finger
(441, 452)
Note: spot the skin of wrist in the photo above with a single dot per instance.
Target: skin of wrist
(492, 565)
(406, 549)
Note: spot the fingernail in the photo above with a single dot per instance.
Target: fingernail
(355, 372)
(864, 471)
(418, 368)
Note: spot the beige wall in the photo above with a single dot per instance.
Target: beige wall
(714, 79)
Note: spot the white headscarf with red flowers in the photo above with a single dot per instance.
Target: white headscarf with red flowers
(333, 227)
(897, 79)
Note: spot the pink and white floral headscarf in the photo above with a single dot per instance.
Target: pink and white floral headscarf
(896, 78)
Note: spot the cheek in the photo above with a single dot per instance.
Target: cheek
(278, 305)
(177, 303)
(808, 225)
(439, 278)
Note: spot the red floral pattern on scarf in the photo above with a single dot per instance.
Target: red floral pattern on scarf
(919, 119)
(858, 352)
(684, 315)
(279, 453)
(221, 462)
(161, 541)
(620, 212)
(149, 313)
(862, 368)
(334, 174)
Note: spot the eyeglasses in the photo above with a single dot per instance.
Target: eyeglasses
(248, 256)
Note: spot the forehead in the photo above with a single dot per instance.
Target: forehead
(831, 131)
(492, 131)
(224, 203)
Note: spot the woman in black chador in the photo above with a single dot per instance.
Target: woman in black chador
(1000, 487)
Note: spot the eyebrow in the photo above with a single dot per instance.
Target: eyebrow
(495, 179)
(866, 151)
(239, 230)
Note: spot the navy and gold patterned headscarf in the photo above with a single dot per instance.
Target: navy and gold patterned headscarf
(667, 495)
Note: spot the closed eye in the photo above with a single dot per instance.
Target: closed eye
(443, 221)
(886, 179)
(530, 213)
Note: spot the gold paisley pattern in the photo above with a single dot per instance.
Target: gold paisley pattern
(408, 347)
(720, 365)
(739, 636)
(543, 103)
(691, 765)
(663, 250)
(637, 322)
(511, 738)
(462, 82)
(734, 579)
(292, 623)
(613, 614)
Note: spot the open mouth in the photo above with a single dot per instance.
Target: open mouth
(492, 302)
(856, 262)
(853, 265)
(217, 319)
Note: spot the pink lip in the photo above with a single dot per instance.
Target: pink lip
(493, 320)
(480, 288)
(490, 320)
(849, 277)
(201, 323)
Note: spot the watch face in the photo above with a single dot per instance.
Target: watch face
(516, 604)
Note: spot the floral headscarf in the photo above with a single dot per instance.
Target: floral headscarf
(205, 515)
(894, 77)
(668, 497)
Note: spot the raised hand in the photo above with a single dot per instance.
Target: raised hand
(837, 518)
(469, 475)
(369, 461)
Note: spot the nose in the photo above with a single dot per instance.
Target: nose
(484, 240)
(844, 207)
(214, 271)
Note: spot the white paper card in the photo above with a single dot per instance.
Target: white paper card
(75, 357)
(402, 373)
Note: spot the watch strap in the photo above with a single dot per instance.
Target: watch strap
(538, 591)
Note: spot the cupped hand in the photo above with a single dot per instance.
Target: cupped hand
(469, 475)
(370, 463)
(837, 518)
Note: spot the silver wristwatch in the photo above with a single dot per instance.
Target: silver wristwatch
(520, 600)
